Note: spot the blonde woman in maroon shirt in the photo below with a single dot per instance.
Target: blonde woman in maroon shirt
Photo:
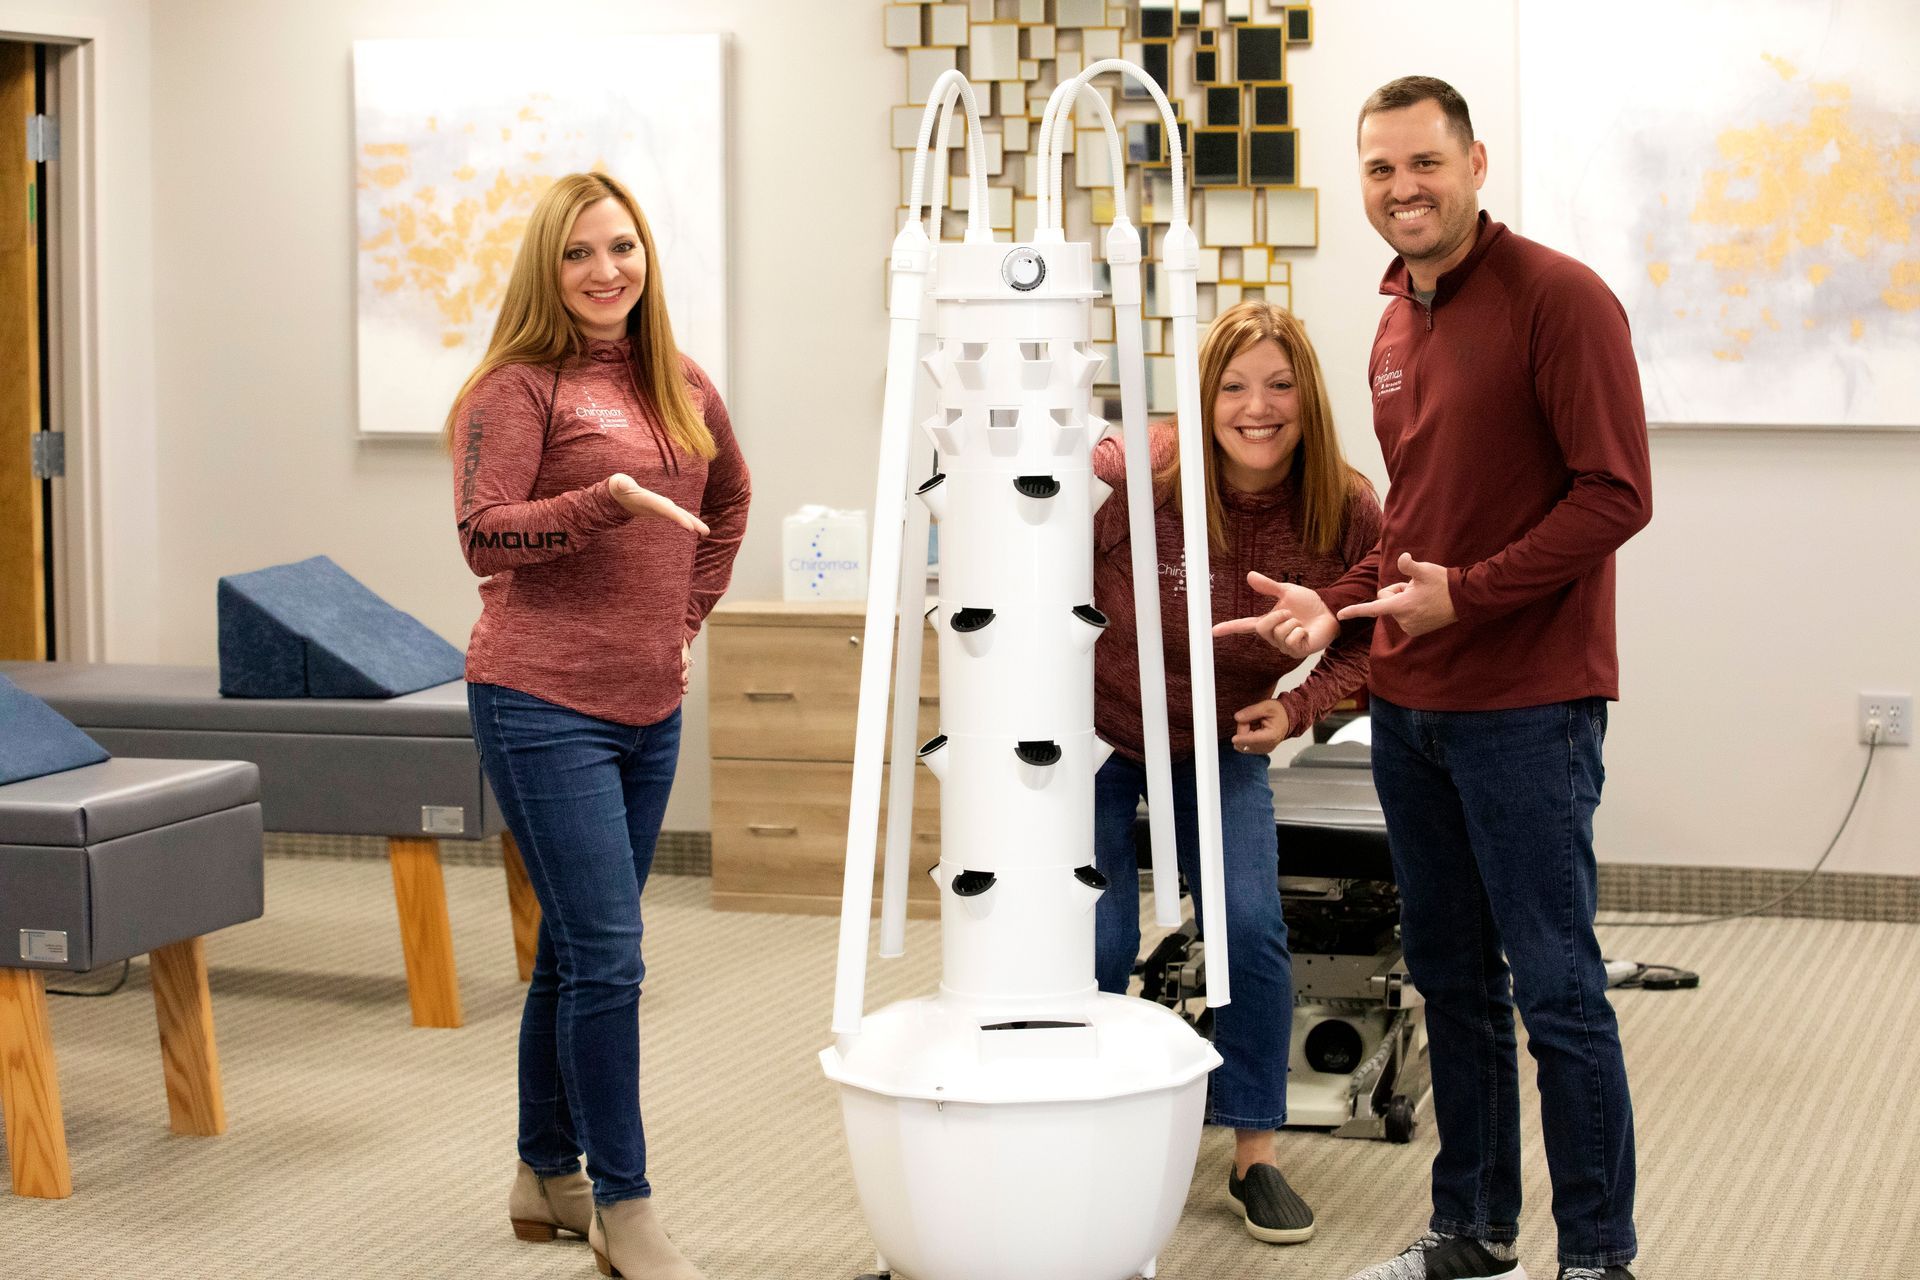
(1282, 503)
(600, 492)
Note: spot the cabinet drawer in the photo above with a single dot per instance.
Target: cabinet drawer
(780, 828)
(793, 692)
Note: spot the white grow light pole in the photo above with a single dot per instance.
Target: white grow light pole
(912, 255)
(1123, 264)
(1181, 261)
(913, 574)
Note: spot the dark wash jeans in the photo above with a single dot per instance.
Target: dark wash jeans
(1253, 1030)
(584, 799)
(1490, 817)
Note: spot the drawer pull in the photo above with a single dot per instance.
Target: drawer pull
(770, 829)
(929, 699)
(769, 695)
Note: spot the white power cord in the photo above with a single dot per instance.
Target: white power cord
(1873, 742)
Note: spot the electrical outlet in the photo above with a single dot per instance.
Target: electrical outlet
(1894, 714)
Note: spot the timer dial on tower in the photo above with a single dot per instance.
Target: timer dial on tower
(1023, 269)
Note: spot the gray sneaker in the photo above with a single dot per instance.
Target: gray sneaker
(1614, 1272)
(1437, 1257)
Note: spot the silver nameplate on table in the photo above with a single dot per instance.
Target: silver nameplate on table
(44, 946)
(443, 819)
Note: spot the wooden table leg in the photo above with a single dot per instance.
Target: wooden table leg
(522, 905)
(426, 936)
(188, 1056)
(30, 1089)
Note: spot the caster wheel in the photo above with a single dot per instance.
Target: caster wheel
(1399, 1119)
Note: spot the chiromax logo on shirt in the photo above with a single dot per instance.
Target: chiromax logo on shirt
(1388, 379)
(613, 419)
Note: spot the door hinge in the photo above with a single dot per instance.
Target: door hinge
(49, 454)
(43, 138)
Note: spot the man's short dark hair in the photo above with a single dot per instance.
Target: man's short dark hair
(1410, 91)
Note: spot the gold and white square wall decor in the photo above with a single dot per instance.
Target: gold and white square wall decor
(1224, 66)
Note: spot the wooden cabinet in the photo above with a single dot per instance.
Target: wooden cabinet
(783, 694)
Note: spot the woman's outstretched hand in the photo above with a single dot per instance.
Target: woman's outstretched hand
(647, 504)
(1299, 624)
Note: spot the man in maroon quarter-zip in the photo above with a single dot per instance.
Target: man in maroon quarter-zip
(1507, 403)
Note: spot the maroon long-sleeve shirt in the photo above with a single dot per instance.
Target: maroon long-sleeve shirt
(1263, 533)
(584, 605)
(1515, 438)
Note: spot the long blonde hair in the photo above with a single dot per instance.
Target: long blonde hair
(1323, 479)
(535, 326)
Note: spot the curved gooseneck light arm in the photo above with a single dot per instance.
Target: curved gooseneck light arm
(1053, 126)
(942, 149)
(940, 99)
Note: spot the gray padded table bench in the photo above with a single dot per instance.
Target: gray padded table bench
(402, 768)
(1328, 815)
(103, 863)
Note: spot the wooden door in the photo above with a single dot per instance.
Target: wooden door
(23, 602)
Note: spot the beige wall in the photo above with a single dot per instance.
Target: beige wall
(1769, 589)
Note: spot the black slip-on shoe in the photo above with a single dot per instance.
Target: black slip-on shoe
(1437, 1257)
(1272, 1210)
(1615, 1272)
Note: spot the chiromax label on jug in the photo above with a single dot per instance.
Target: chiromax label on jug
(47, 946)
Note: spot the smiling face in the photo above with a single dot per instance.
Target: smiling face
(1256, 418)
(1419, 181)
(603, 269)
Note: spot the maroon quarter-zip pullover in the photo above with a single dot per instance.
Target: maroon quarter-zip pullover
(584, 605)
(1515, 438)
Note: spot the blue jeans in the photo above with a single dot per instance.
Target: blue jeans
(1253, 1030)
(1490, 818)
(584, 799)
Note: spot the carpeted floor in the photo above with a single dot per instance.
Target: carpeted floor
(1777, 1127)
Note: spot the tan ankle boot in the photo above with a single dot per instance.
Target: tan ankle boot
(539, 1206)
(629, 1241)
